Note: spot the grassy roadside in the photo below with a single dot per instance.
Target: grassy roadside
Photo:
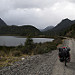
(9, 55)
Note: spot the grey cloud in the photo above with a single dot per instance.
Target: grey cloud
(40, 13)
(36, 3)
(5, 6)
(40, 19)
(33, 3)
(72, 0)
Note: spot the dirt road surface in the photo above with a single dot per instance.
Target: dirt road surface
(59, 68)
(46, 64)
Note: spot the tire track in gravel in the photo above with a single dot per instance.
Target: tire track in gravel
(59, 68)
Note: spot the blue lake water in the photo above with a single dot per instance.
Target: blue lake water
(15, 41)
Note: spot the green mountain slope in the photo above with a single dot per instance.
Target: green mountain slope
(26, 30)
(60, 28)
(70, 32)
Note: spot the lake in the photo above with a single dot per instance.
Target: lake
(15, 41)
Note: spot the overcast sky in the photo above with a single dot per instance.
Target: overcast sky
(40, 13)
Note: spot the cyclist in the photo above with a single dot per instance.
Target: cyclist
(64, 51)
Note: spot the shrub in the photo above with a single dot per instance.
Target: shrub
(44, 48)
(16, 53)
(28, 46)
(2, 54)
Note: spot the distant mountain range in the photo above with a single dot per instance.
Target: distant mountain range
(61, 27)
(47, 28)
(27, 30)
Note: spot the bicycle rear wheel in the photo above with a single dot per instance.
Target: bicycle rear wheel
(65, 62)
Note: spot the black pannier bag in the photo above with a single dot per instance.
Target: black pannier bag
(61, 59)
(61, 54)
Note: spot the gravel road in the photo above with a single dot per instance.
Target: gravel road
(46, 64)
(59, 68)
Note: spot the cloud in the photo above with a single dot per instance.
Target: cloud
(64, 9)
(5, 5)
(40, 13)
(72, 0)
(33, 3)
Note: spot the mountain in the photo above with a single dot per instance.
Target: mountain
(2, 23)
(63, 24)
(47, 28)
(26, 30)
(61, 27)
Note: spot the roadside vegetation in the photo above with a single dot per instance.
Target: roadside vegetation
(8, 55)
(70, 32)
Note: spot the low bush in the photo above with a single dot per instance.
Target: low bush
(16, 53)
(28, 46)
(47, 47)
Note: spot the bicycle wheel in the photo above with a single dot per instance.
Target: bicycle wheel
(65, 62)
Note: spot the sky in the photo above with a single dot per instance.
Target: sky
(39, 13)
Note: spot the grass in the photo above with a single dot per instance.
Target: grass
(7, 61)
